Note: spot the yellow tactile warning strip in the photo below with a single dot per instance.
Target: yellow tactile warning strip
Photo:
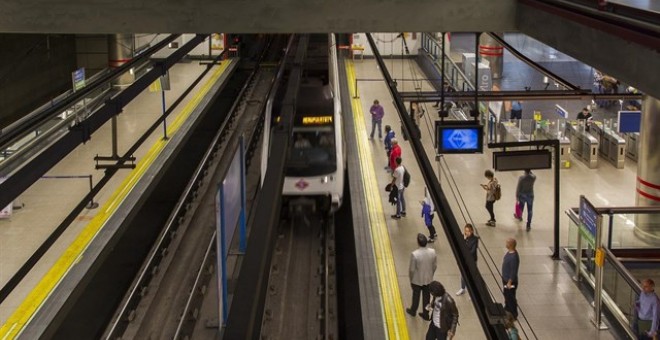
(395, 321)
(74, 252)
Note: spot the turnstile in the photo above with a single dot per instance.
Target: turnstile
(632, 147)
(510, 132)
(612, 146)
(583, 145)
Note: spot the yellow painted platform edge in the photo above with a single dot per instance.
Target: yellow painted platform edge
(74, 252)
(395, 321)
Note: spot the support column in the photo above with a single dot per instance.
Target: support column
(648, 163)
(120, 51)
(491, 50)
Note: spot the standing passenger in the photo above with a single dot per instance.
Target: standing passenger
(394, 154)
(444, 315)
(510, 265)
(377, 114)
(525, 195)
(423, 263)
(490, 188)
(648, 312)
(472, 243)
(397, 179)
(389, 136)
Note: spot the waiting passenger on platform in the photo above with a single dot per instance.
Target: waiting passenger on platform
(586, 116)
(490, 188)
(389, 136)
(525, 196)
(397, 179)
(427, 213)
(472, 243)
(394, 154)
(510, 265)
(377, 114)
(648, 311)
(423, 263)
(444, 314)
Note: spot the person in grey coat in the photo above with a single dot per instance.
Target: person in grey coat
(423, 263)
(525, 195)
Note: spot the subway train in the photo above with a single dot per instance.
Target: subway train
(316, 159)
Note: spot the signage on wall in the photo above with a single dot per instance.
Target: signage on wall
(78, 79)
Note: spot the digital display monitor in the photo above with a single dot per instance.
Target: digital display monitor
(459, 137)
(521, 160)
(630, 121)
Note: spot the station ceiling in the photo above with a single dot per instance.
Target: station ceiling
(633, 62)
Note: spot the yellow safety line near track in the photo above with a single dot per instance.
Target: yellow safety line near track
(395, 321)
(71, 255)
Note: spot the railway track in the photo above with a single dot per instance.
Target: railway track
(165, 299)
(301, 301)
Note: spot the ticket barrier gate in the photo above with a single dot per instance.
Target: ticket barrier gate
(583, 145)
(509, 131)
(564, 146)
(632, 147)
(612, 146)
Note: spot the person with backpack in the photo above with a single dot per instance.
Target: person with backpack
(398, 180)
(444, 314)
(493, 193)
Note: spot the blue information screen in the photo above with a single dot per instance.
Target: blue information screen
(630, 121)
(466, 139)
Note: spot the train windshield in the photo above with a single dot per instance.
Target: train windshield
(312, 152)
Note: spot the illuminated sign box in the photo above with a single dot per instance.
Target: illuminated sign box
(459, 137)
(316, 120)
(521, 160)
(629, 121)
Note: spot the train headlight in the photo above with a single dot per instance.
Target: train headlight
(324, 180)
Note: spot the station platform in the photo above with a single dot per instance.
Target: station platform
(46, 203)
(548, 297)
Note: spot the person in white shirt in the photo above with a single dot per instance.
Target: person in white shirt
(397, 179)
(423, 262)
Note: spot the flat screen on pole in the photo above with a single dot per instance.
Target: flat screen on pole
(459, 137)
(630, 121)
(521, 160)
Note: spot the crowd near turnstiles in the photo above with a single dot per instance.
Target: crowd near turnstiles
(437, 306)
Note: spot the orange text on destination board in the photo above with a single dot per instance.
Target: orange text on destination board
(317, 120)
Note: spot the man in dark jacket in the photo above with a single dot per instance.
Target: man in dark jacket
(510, 265)
(444, 314)
(525, 195)
(472, 243)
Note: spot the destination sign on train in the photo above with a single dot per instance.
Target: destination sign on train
(317, 120)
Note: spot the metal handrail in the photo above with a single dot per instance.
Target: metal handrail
(26, 125)
(453, 64)
(621, 269)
